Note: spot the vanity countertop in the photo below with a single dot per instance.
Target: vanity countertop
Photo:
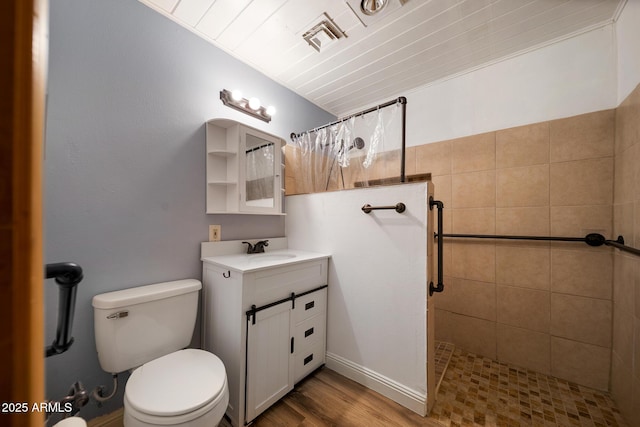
(245, 263)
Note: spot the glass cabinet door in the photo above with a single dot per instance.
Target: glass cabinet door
(261, 171)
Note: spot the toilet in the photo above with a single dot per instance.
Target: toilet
(146, 329)
(71, 422)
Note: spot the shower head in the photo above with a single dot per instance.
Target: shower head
(357, 143)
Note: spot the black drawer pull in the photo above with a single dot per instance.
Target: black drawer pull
(309, 305)
(308, 332)
(308, 359)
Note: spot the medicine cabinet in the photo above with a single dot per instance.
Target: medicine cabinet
(244, 169)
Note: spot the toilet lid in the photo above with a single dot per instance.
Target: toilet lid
(177, 383)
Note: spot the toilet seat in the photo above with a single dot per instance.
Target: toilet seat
(183, 384)
(206, 416)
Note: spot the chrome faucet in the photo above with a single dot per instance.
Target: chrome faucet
(258, 248)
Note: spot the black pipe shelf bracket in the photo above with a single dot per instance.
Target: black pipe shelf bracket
(398, 207)
(67, 275)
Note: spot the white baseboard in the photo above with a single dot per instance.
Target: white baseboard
(409, 398)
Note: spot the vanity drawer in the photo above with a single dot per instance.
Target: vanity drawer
(309, 359)
(277, 283)
(309, 331)
(310, 305)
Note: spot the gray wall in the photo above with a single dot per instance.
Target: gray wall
(129, 92)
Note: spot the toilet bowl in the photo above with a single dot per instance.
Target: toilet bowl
(185, 388)
(71, 422)
(148, 328)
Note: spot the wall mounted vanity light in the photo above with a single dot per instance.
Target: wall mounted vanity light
(249, 106)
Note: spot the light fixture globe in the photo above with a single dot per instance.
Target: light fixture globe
(254, 104)
(236, 95)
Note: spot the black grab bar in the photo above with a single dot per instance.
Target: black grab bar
(67, 275)
(440, 286)
(591, 239)
(398, 207)
(619, 244)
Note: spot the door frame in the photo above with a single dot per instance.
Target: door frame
(24, 47)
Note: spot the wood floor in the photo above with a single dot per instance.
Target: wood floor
(328, 399)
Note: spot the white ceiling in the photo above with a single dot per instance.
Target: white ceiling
(409, 46)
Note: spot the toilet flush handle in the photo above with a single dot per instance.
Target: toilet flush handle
(118, 315)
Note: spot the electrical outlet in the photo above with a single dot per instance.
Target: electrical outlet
(214, 233)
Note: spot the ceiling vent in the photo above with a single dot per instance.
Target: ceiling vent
(370, 11)
(323, 34)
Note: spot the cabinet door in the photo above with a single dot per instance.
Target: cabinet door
(261, 170)
(269, 358)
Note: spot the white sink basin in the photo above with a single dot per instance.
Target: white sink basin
(252, 262)
(268, 258)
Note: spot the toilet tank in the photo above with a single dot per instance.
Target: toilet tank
(136, 325)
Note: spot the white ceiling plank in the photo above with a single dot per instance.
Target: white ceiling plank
(548, 24)
(443, 67)
(219, 16)
(349, 23)
(364, 38)
(192, 11)
(243, 28)
(299, 15)
(462, 44)
(445, 31)
(449, 36)
(555, 27)
(443, 25)
(270, 50)
(420, 42)
(166, 5)
(275, 45)
(398, 32)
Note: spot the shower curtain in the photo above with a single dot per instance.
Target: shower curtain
(259, 175)
(355, 152)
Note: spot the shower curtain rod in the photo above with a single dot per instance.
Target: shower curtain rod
(400, 100)
(592, 239)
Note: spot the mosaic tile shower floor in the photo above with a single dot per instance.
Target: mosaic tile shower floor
(444, 351)
(477, 391)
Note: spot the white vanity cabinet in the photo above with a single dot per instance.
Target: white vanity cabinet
(267, 324)
(285, 343)
(244, 169)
